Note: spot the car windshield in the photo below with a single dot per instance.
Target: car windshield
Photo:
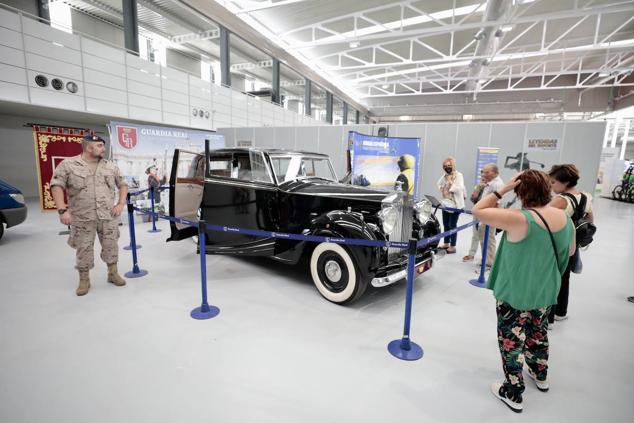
(289, 168)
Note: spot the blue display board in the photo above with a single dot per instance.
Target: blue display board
(486, 155)
(375, 160)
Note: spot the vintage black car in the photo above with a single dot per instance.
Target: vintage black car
(297, 192)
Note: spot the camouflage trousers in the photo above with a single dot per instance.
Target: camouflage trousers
(522, 337)
(82, 239)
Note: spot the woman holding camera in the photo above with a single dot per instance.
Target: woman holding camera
(451, 186)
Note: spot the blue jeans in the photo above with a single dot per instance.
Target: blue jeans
(449, 222)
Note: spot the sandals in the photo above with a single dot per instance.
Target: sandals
(467, 258)
(451, 250)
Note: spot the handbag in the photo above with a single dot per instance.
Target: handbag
(552, 238)
(576, 265)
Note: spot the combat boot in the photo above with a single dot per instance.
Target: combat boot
(113, 275)
(84, 283)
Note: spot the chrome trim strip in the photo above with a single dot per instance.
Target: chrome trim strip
(397, 276)
(260, 185)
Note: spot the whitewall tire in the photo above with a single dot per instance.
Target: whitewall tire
(335, 274)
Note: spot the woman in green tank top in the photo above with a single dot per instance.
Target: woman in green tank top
(525, 278)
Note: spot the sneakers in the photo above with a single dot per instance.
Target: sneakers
(498, 392)
(542, 385)
(557, 317)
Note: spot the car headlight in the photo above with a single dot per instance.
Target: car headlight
(423, 210)
(388, 216)
(19, 198)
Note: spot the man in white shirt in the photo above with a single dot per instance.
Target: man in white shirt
(493, 182)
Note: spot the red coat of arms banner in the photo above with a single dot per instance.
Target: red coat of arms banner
(52, 145)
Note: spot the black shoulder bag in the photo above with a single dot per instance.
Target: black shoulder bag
(552, 238)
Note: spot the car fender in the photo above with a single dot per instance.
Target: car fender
(344, 224)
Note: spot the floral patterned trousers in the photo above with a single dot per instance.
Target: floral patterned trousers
(522, 336)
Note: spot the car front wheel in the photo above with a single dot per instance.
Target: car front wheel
(335, 274)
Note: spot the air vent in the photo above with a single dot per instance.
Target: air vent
(206, 114)
(195, 112)
(57, 84)
(72, 87)
(201, 113)
(41, 81)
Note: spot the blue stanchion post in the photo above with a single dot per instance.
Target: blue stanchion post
(481, 282)
(135, 272)
(404, 348)
(205, 311)
(154, 229)
(130, 217)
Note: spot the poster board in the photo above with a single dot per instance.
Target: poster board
(375, 160)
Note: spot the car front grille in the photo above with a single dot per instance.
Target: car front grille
(403, 228)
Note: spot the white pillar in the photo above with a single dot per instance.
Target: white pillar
(607, 133)
(615, 132)
(625, 137)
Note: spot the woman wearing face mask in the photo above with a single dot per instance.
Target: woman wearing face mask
(451, 186)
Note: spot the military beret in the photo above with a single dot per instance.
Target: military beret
(95, 138)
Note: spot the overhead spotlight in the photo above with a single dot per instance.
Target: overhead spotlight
(479, 36)
(354, 44)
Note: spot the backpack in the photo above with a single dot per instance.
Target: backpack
(584, 229)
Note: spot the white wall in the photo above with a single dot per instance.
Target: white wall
(580, 143)
(98, 29)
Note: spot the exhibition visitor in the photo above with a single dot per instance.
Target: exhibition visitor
(476, 195)
(493, 182)
(576, 205)
(451, 186)
(89, 181)
(525, 278)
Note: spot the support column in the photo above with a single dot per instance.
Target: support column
(43, 11)
(624, 139)
(344, 119)
(615, 132)
(307, 97)
(329, 107)
(275, 82)
(225, 65)
(357, 115)
(130, 25)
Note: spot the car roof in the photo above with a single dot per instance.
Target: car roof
(274, 151)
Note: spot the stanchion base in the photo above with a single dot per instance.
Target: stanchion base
(414, 353)
(154, 230)
(129, 247)
(478, 283)
(132, 274)
(209, 313)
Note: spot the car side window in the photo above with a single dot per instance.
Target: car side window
(220, 165)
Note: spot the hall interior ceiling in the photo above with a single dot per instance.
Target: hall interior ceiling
(429, 57)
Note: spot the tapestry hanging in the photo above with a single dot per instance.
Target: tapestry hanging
(52, 146)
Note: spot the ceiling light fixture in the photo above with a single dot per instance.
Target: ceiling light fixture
(384, 86)
(354, 44)
(506, 28)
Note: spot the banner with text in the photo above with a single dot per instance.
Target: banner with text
(384, 163)
(139, 150)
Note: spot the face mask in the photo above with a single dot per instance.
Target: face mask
(448, 169)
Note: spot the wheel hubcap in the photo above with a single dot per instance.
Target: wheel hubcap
(333, 271)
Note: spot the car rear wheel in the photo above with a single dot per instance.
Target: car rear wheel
(335, 274)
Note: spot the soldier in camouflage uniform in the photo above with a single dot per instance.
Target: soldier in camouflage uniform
(89, 181)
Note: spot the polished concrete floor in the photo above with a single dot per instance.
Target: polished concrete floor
(278, 352)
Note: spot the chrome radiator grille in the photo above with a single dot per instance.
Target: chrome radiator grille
(403, 228)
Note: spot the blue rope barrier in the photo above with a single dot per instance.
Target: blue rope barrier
(404, 348)
(205, 311)
(481, 282)
(153, 214)
(135, 272)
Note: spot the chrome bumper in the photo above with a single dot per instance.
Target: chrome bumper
(420, 268)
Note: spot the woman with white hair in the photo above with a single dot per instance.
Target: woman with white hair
(451, 186)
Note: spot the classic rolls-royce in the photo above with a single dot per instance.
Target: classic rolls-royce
(298, 192)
